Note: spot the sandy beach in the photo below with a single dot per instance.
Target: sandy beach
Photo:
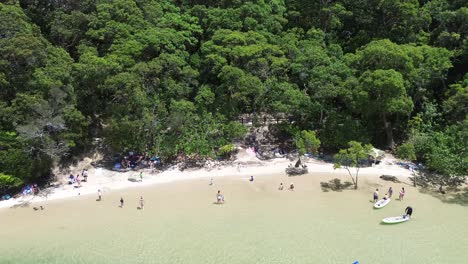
(245, 165)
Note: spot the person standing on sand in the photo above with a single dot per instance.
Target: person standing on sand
(402, 193)
(281, 187)
(291, 187)
(211, 181)
(141, 176)
(121, 202)
(142, 202)
(99, 195)
(376, 195)
(85, 175)
(390, 192)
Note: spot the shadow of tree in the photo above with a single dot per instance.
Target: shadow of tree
(447, 189)
(21, 204)
(451, 195)
(335, 185)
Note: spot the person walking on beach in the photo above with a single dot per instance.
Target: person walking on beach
(99, 195)
(142, 202)
(390, 192)
(211, 181)
(402, 193)
(281, 187)
(141, 176)
(291, 187)
(376, 195)
(121, 202)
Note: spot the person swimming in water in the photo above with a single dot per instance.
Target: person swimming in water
(408, 212)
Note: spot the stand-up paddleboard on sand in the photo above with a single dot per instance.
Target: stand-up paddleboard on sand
(381, 203)
(395, 220)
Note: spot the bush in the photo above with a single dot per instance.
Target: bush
(8, 182)
(226, 150)
(406, 151)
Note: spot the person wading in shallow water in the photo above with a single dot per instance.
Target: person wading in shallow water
(390, 192)
(376, 195)
(402, 193)
(408, 211)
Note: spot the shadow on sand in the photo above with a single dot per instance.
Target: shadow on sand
(335, 185)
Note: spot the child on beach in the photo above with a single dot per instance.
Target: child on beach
(402, 193)
(291, 187)
(219, 198)
(251, 178)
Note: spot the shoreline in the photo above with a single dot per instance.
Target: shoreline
(245, 166)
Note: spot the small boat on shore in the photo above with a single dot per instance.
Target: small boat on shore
(396, 219)
(381, 203)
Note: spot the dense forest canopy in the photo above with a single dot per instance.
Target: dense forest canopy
(172, 77)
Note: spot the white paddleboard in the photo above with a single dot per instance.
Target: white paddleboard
(395, 220)
(381, 203)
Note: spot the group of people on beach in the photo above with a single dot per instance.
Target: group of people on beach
(291, 187)
(141, 200)
(389, 194)
(77, 179)
(220, 197)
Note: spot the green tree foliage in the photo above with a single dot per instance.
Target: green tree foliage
(383, 94)
(406, 151)
(174, 77)
(307, 142)
(8, 181)
(351, 157)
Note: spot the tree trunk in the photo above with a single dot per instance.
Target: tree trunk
(357, 175)
(389, 132)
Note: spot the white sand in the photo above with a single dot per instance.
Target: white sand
(245, 165)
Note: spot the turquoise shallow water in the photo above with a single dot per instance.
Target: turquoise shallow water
(258, 224)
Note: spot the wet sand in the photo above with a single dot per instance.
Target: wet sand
(257, 224)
